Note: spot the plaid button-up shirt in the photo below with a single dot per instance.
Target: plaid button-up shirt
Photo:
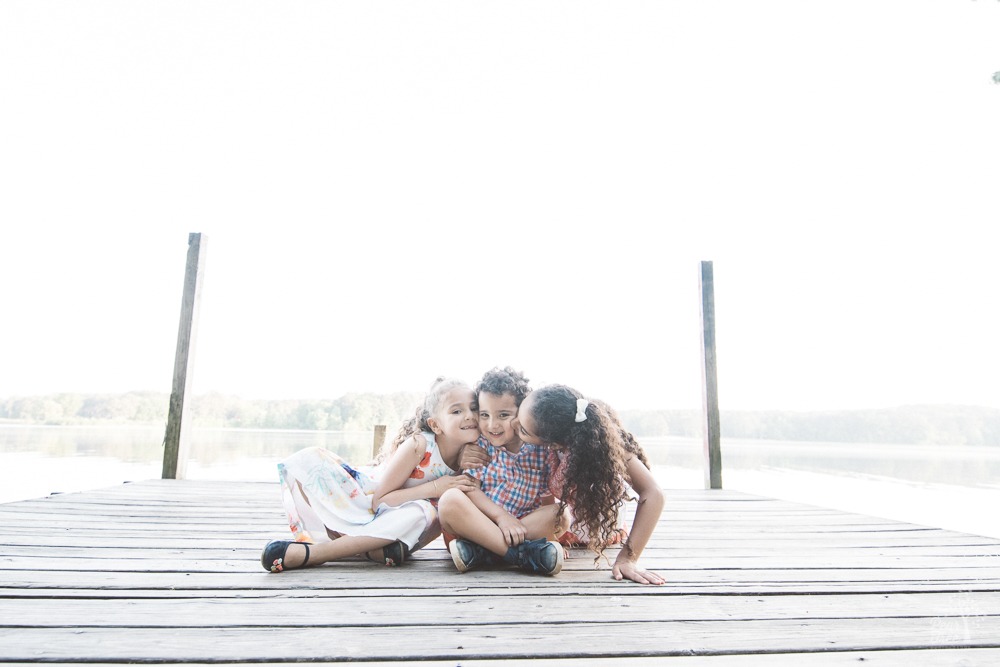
(515, 482)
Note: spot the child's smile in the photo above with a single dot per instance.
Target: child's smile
(498, 420)
(457, 418)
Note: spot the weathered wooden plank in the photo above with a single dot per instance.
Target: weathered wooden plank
(248, 543)
(736, 522)
(247, 548)
(539, 637)
(175, 562)
(441, 574)
(218, 560)
(269, 500)
(803, 556)
(678, 537)
(268, 505)
(596, 590)
(970, 657)
(184, 490)
(149, 510)
(220, 514)
(479, 609)
(723, 545)
(671, 538)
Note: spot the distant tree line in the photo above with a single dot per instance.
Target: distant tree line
(924, 424)
(915, 424)
(351, 412)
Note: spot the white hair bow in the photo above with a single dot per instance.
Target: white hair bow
(581, 409)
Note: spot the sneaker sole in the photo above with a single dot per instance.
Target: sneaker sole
(459, 563)
(559, 559)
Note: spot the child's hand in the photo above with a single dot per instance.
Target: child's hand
(463, 483)
(472, 457)
(513, 530)
(626, 569)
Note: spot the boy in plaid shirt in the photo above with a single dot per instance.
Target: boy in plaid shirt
(505, 519)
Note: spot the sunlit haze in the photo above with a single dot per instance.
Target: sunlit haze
(394, 191)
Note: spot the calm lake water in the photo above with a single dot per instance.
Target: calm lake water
(947, 487)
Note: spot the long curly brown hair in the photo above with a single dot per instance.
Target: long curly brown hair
(418, 422)
(599, 448)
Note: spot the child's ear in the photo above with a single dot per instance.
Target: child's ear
(435, 427)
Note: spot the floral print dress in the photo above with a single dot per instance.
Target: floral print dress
(325, 497)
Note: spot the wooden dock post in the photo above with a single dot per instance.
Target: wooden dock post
(378, 439)
(175, 439)
(709, 381)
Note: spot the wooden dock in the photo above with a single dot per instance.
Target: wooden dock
(168, 571)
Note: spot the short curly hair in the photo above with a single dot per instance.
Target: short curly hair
(506, 380)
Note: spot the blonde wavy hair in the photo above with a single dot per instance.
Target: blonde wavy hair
(418, 422)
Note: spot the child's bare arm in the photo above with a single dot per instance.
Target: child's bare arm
(647, 514)
(512, 528)
(397, 471)
(400, 467)
(431, 489)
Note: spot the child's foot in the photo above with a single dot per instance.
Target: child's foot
(391, 554)
(281, 555)
(468, 555)
(541, 556)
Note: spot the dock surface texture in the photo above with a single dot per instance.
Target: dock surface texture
(167, 571)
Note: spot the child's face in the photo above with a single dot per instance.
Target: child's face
(526, 424)
(456, 417)
(498, 419)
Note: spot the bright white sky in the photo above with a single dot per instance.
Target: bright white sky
(396, 190)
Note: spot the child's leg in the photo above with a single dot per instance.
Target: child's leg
(542, 523)
(324, 552)
(460, 517)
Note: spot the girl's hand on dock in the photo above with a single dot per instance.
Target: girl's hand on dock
(626, 569)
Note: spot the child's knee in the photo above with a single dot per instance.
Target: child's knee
(563, 523)
(450, 507)
(450, 502)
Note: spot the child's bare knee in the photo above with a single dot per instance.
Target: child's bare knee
(450, 502)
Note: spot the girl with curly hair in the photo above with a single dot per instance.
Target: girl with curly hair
(600, 461)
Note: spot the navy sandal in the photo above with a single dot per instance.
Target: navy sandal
(392, 554)
(273, 557)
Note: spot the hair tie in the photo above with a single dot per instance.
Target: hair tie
(581, 409)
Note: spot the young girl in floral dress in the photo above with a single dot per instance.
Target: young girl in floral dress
(384, 511)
